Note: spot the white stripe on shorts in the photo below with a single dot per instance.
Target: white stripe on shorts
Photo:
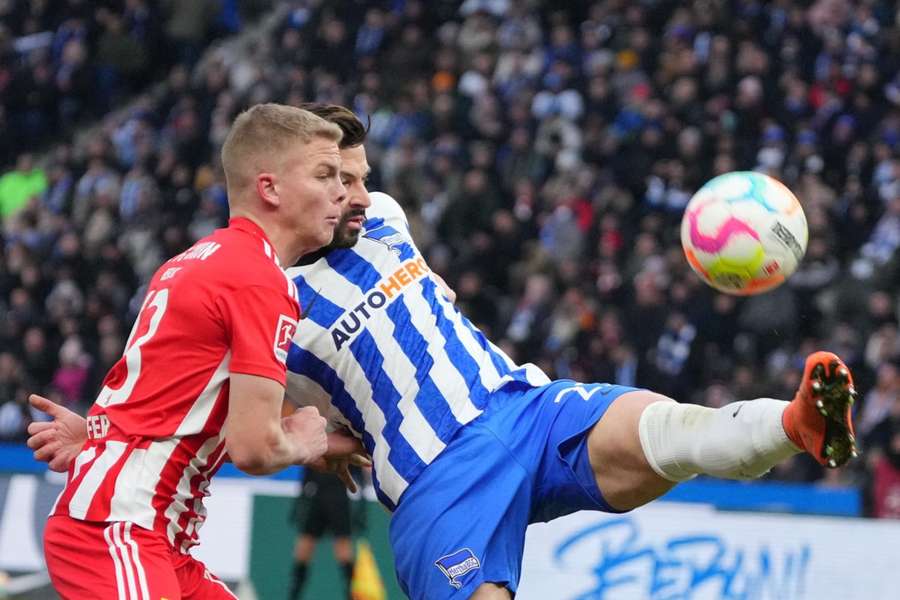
(138, 566)
(127, 565)
(120, 585)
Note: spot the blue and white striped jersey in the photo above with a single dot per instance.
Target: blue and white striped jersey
(398, 363)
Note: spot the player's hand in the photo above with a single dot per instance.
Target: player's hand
(59, 441)
(341, 468)
(305, 428)
(344, 450)
(448, 291)
(343, 444)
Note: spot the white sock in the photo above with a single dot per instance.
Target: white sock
(742, 440)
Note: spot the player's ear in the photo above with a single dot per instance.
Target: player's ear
(267, 189)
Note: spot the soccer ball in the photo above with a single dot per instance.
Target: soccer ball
(744, 233)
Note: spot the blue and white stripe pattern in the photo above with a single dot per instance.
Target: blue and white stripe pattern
(402, 366)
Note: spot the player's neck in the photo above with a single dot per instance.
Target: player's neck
(283, 241)
(286, 245)
(311, 257)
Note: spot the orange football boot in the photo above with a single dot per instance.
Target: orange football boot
(819, 419)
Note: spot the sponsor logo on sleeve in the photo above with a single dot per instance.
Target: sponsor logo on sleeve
(284, 333)
(458, 564)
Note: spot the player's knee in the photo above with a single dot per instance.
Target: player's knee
(615, 438)
(620, 467)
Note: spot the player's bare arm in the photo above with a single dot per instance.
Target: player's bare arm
(448, 291)
(57, 442)
(258, 440)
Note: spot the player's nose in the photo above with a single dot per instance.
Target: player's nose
(340, 192)
(360, 198)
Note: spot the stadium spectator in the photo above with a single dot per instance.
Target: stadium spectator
(20, 186)
(13, 415)
(884, 459)
(879, 401)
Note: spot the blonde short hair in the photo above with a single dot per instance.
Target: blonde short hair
(268, 130)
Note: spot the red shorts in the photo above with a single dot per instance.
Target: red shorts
(121, 561)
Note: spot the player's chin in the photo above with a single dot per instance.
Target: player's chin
(344, 238)
(324, 237)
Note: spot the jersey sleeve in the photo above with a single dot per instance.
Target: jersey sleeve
(259, 323)
(384, 210)
(385, 207)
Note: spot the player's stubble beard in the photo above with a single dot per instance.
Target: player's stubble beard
(343, 236)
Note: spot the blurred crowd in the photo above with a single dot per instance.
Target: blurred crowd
(65, 62)
(544, 152)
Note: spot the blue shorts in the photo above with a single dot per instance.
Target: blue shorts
(462, 522)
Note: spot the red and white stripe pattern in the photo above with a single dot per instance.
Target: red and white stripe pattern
(160, 485)
(156, 437)
(185, 516)
(131, 578)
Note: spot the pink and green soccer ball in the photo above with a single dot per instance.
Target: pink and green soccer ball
(744, 233)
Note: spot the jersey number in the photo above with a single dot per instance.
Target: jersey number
(153, 309)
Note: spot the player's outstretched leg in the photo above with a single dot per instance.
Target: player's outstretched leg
(645, 443)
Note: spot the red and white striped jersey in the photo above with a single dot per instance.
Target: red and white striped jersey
(155, 431)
